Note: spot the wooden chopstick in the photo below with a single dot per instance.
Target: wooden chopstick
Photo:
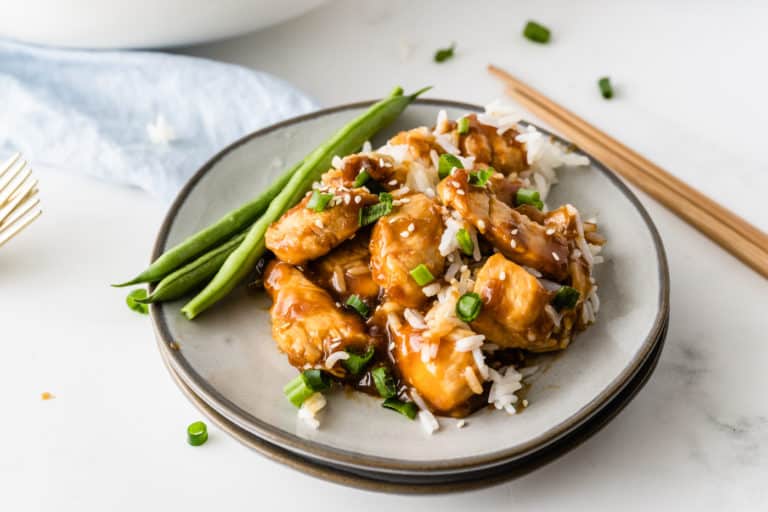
(725, 228)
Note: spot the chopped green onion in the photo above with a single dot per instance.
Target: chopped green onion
(356, 303)
(529, 196)
(384, 382)
(462, 126)
(361, 178)
(319, 201)
(422, 275)
(444, 54)
(371, 214)
(466, 244)
(480, 178)
(316, 380)
(305, 385)
(407, 409)
(197, 433)
(536, 32)
(566, 298)
(446, 164)
(606, 89)
(355, 363)
(468, 306)
(138, 307)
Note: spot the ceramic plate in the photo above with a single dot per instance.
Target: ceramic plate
(228, 358)
(407, 484)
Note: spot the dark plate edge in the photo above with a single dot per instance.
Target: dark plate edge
(462, 482)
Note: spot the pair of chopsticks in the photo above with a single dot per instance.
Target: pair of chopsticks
(722, 226)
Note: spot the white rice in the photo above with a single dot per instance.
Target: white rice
(503, 388)
(472, 382)
(431, 289)
(480, 362)
(449, 242)
(428, 421)
(445, 140)
(470, 343)
(309, 409)
(415, 319)
(398, 152)
(334, 358)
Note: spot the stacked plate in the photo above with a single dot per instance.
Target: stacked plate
(227, 364)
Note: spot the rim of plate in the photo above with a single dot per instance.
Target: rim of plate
(469, 482)
(312, 449)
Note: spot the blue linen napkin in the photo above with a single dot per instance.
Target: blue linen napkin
(137, 118)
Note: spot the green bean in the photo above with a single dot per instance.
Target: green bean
(345, 141)
(185, 279)
(225, 227)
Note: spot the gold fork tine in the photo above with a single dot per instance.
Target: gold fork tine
(19, 201)
(23, 194)
(19, 212)
(8, 163)
(19, 177)
(20, 224)
(19, 204)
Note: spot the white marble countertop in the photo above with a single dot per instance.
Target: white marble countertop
(690, 84)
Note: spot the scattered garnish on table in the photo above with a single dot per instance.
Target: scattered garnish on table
(133, 299)
(536, 32)
(45, 395)
(197, 433)
(443, 54)
(606, 89)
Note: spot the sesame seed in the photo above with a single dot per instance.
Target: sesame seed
(319, 223)
(461, 424)
(554, 255)
(411, 227)
(550, 231)
(392, 183)
(456, 184)
(347, 198)
(525, 403)
(502, 276)
(514, 231)
(481, 225)
(463, 268)
(358, 199)
(430, 192)
(460, 192)
(513, 243)
(405, 234)
(405, 200)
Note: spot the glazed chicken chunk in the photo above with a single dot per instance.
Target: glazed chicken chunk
(512, 233)
(306, 323)
(303, 234)
(346, 270)
(502, 152)
(514, 307)
(403, 240)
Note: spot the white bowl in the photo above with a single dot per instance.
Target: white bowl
(140, 23)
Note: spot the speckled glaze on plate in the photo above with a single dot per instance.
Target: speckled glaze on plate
(405, 484)
(228, 358)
